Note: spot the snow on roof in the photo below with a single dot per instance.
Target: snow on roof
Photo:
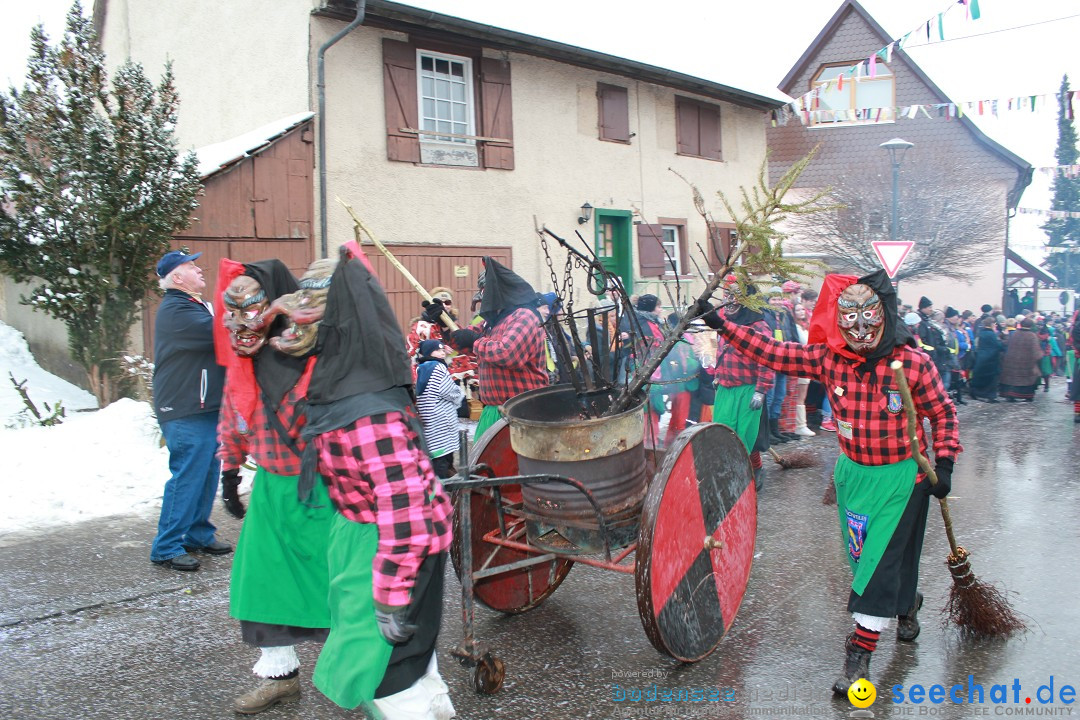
(219, 155)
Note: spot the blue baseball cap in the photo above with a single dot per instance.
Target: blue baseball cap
(173, 259)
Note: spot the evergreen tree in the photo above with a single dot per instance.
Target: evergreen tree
(1065, 232)
(91, 189)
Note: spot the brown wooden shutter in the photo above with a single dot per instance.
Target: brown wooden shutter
(399, 88)
(709, 131)
(614, 113)
(496, 112)
(721, 241)
(687, 127)
(651, 258)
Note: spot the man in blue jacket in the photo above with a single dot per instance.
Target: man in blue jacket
(187, 395)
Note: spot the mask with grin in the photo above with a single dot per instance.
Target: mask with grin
(861, 318)
(305, 309)
(245, 302)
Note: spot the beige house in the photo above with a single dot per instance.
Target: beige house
(450, 138)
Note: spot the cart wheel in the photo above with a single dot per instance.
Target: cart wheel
(517, 590)
(488, 674)
(696, 542)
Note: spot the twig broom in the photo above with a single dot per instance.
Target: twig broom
(974, 606)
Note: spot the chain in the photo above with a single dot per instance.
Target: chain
(568, 273)
(547, 259)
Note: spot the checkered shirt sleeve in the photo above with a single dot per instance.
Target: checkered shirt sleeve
(733, 368)
(511, 358)
(872, 426)
(377, 473)
(261, 441)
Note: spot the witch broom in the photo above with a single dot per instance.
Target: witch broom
(974, 606)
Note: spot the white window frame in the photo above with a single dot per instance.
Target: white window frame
(469, 102)
(883, 74)
(672, 245)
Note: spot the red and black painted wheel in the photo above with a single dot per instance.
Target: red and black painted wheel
(518, 590)
(696, 543)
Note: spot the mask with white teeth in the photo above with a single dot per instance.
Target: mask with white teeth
(861, 318)
(305, 309)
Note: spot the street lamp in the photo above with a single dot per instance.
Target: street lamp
(896, 148)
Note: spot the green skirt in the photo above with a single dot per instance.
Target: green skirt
(279, 571)
(354, 659)
(870, 500)
(488, 417)
(732, 408)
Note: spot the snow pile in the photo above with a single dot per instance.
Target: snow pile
(43, 387)
(107, 462)
(95, 464)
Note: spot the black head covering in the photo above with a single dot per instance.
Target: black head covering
(744, 315)
(360, 346)
(504, 292)
(895, 333)
(275, 372)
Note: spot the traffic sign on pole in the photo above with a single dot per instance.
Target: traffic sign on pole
(891, 254)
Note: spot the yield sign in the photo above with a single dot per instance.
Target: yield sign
(891, 253)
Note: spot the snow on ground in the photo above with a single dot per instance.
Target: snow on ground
(94, 464)
(43, 387)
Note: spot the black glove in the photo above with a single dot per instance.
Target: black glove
(943, 469)
(393, 624)
(433, 312)
(230, 495)
(463, 339)
(713, 319)
(699, 308)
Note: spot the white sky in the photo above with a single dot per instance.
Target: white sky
(752, 44)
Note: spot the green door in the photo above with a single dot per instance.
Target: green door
(613, 247)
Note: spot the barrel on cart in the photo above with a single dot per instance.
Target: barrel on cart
(556, 483)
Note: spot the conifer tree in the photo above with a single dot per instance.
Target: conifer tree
(91, 188)
(1065, 232)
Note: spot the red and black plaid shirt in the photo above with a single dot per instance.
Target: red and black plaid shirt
(871, 425)
(734, 369)
(261, 441)
(377, 473)
(510, 359)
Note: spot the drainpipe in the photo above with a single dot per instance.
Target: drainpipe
(361, 7)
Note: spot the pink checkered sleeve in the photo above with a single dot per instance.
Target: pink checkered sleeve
(378, 473)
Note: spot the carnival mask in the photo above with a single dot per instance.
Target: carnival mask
(861, 318)
(305, 309)
(245, 302)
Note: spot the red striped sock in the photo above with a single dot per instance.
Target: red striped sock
(866, 639)
(755, 460)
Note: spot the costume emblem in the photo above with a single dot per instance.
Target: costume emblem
(856, 534)
(896, 404)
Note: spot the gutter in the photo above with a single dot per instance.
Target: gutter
(361, 8)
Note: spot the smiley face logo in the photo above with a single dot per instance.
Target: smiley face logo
(862, 693)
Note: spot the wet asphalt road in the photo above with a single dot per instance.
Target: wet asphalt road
(90, 629)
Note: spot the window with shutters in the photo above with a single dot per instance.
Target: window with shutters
(723, 237)
(444, 108)
(697, 128)
(614, 113)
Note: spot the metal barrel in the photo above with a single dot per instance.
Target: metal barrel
(552, 433)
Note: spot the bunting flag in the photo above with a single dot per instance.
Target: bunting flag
(1058, 214)
(971, 8)
(1047, 102)
(1069, 171)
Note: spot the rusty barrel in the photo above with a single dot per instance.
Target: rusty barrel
(553, 435)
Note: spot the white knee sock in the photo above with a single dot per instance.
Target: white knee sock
(276, 661)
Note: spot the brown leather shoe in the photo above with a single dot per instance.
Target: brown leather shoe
(268, 693)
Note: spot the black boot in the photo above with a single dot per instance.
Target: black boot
(856, 665)
(907, 626)
(774, 432)
(759, 478)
